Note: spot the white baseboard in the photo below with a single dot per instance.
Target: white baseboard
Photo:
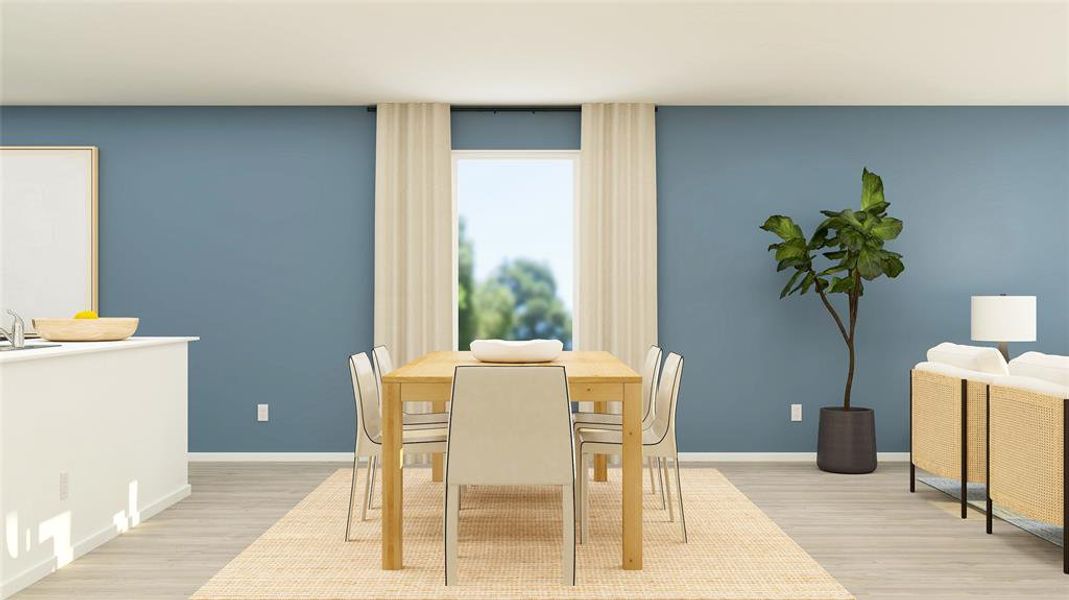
(691, 457)
(271, 457)
(31, 575)
(703, 457)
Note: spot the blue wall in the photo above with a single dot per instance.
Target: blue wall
(252, 227)
(983, 192)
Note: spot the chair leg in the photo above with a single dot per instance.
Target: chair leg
(567, 550)
(679, 496)
(660, 480)
(666, 483)
(372, 471)
(352, 500)
(584, 519)
(368, 483)
(452, 522)
(650, 468)
(578, 492)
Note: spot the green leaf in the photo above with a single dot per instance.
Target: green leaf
(871, 189)
(790, 283)
(869, 264)
(835, 255)
(851, 219)
(888, 228)
(792, 248)
(878, 209)
(892, 266)
(807, 282)
(790, 262)
(834, 269)
(852, 239)
(842, 284)
(783, 227)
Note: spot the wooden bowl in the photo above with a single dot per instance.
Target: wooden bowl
(86, 330)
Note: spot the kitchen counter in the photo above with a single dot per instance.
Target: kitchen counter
(93, 441)
(70, 348)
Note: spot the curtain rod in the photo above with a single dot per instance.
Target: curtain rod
(481, 108)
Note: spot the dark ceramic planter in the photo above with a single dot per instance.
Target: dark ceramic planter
(846, 440)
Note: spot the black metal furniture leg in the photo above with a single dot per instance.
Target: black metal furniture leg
(1065, 486)
(964, 449)
(912, 467)
(987, 460)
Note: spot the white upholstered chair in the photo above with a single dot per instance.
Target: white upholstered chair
(369, 432)
(527, 442)
(658, 441)
(650, 371)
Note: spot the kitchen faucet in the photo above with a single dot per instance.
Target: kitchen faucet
(17, 334)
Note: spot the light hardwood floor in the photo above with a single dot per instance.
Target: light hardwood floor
(868, 531)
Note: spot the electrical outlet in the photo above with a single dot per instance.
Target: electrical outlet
(796, 412)
(261, 412)
(64, 485)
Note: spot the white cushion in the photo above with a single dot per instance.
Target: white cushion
(1040, 386)
(974, 358)
(952, 371)
(1048, 367)
(506, 351)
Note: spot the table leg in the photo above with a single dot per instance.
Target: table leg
(392, 478)
(436, 459)
(601, 470)
(632, 476)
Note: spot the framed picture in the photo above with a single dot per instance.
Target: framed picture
(49, 250)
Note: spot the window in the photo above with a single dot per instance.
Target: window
(515, 245)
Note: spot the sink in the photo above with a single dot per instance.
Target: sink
(10, 348)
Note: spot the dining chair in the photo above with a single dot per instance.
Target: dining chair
(528, 441)
(369, 433)
(650, 372)
(658, 441)
(383, 363)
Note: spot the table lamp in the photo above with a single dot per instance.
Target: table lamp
(1004, 319)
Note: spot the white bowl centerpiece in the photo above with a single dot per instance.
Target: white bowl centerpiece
(508, 351)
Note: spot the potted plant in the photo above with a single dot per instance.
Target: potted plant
(852, 246)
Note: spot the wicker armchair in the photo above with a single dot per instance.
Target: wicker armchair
(948, 427)
(1029, 452)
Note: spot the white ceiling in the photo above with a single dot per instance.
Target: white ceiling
(157, 52)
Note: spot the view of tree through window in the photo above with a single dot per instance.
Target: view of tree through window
(515, 249)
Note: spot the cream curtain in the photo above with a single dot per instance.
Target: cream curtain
(413, 230)
(617, 299)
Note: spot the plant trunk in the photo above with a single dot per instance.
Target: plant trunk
(849, 377)
(855, 299)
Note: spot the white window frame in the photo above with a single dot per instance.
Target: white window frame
(570, 155)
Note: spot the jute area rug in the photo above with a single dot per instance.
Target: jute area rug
(510, 548)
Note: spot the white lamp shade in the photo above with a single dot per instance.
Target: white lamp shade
(1004, 318)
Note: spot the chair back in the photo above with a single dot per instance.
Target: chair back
(650, 370)
(664, 422)
(383, 363)
(366, 395)
(510, 426)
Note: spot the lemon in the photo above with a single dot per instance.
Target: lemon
(86, 314)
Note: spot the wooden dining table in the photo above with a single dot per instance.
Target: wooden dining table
(593, 376)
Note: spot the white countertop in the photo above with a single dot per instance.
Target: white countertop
(69, 348)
